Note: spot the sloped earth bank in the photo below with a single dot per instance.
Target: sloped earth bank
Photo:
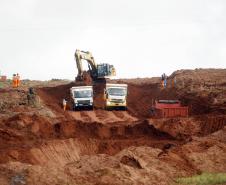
(41, 144)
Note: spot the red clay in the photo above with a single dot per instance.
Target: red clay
(42, 144)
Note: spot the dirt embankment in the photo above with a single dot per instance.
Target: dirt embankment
(186, 128)
(22, 135)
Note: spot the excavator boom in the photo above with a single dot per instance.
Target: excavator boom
(96, 71)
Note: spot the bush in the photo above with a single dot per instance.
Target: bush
(204, 179)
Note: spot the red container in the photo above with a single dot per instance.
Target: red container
(170, 109)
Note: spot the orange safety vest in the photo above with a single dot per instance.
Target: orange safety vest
(162, 83)
(18, 80)
(14, 81)
(64, 104)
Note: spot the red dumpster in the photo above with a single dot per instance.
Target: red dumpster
(169, 109)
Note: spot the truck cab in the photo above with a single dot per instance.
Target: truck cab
(82, 97)
(116, 96)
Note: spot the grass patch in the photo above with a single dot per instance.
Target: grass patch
(204, 179)
(5, 84)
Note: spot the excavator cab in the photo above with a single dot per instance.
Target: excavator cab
(105, 70)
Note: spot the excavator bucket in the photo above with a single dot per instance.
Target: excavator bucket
(85, 79)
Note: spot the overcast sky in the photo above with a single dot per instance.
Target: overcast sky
(141, 38)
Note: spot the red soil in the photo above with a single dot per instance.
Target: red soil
(113, 147)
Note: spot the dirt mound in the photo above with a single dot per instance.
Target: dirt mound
(202, 89)
(104, 117)
(98, 93)
(207, 153)
(12, 98)
(185, 128)
(205, 77)
(142, 97)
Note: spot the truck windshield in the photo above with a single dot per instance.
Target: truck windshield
(117, 91)
(83, 94)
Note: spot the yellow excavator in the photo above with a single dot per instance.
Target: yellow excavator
(96, 71)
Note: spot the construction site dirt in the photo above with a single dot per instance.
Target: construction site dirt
(40, 143)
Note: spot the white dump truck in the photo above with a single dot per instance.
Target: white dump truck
(82, 96)
(115, 96)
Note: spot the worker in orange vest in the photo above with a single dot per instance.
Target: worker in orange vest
(64, 104)
(162, 84)
(18, 80)
(14, 80)
(163, 78)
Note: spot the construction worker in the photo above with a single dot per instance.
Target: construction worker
(162, 81)
(162, 84)
(17, 80)
(14, 81)
(64, 104)
(31, 96)
(165, 82)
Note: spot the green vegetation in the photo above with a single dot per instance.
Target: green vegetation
(204, 179)
(5, 84)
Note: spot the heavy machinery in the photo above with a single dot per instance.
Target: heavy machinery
(115, 96)
(96, 71)
(82, 96)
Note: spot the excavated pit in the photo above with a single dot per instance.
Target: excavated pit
(70, 140)
(66, 141)
(94, 138)
(104, 132)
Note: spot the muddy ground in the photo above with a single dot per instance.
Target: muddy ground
(41, 144)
